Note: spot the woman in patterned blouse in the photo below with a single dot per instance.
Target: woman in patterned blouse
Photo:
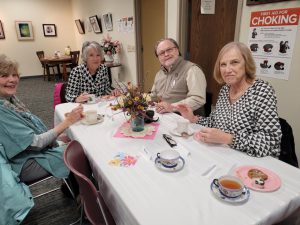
(246, 116)
(91, 77)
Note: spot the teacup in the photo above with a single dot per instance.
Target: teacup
(182, 126)
(229, 186)
(91, 116)
(168, 158)
(92, 99)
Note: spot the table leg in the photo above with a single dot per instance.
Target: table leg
(48, 72)
(65, 75)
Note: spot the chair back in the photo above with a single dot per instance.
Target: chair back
(78, 163)
(287, 153)
(75, 58)
(40, 55)
(59, 95)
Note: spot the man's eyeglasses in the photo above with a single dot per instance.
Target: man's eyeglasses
(168, 51)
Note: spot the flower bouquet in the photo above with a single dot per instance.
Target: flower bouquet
(134, 103)
(110, 47)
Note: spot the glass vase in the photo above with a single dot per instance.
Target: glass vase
(137, 124)
(108, 58)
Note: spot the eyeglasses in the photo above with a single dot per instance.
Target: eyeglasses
(168, 51)
(170, 140)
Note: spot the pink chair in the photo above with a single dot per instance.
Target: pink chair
(92, 202)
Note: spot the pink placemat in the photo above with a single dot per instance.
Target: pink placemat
(118, 134)
(271, 184)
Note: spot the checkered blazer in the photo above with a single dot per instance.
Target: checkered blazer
(81, 80)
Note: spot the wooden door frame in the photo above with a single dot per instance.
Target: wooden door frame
(138, 38)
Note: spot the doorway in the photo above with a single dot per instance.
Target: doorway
(150, 29)
(207, 34)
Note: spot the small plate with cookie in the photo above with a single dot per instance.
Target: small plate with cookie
(258, 178)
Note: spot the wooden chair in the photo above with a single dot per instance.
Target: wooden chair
(46, 66)
(75, 59)
(93, 204)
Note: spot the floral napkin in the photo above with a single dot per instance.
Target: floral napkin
(123, 160)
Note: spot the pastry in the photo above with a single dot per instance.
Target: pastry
(255, 173)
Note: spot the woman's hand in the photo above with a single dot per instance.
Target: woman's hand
(115, 92)
(70, 118)
(82, 98)
(213, 135)
(75, 115)
(187, 112)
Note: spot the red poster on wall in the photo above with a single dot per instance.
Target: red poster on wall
(272, 38)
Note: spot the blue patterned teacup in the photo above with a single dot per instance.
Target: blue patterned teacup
(229, 186)
(168, 158)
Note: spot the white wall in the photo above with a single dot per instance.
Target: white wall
(38, 12)
(173, 19)
(119, 8)
(287, 91)
(63, 14)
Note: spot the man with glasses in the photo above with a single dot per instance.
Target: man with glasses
(178, 80)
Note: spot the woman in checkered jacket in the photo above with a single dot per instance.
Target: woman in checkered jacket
(246, 116)
(91, 77)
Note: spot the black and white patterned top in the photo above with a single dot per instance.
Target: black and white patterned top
(253, 120)
(81, 80)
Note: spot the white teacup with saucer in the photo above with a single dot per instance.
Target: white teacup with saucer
(168, 158)
(91, 117)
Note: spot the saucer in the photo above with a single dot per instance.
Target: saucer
(240, 199)
(99, 120)
(178, 167)
(176, 133)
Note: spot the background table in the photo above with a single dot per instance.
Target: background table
(142, 194)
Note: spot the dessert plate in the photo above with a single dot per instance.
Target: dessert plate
(176, 133)
(99, 120)
(271, 184)
(179, 166)
(240, 199)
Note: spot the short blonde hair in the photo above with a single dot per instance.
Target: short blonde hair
(7, 66)
(250, 67)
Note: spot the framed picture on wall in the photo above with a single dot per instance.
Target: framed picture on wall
(96, 24)
(108, 21)
(79, 26)
(24, 30)
(2, 36)
(49, 30)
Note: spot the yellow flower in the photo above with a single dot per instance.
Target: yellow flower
(121, 100)
(136, 98)
(140, 107)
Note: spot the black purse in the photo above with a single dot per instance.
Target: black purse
(149, 117)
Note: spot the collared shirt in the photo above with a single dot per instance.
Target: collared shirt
(184, 83)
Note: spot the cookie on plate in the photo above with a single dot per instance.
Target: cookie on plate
(255, 173)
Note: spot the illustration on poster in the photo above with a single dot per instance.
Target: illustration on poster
(283, 46)
(265, 65)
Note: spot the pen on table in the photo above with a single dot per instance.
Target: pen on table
(208, 170)
(147, 153)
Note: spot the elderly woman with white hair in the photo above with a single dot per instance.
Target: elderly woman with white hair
(91, 77)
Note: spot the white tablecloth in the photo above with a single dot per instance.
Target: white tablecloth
(144, 195)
